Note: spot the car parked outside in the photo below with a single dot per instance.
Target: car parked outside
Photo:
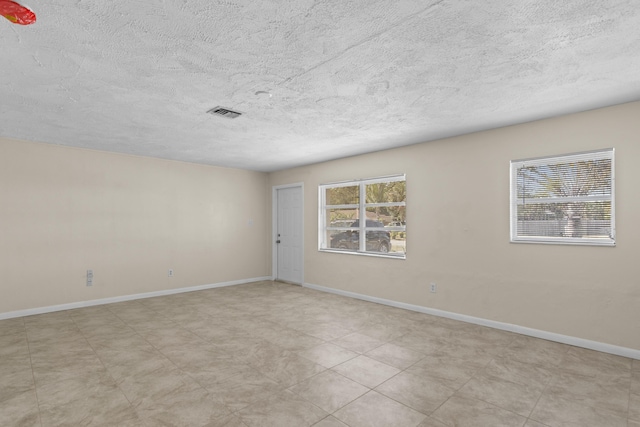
(376, 240)
(396, 224)
(343, 223)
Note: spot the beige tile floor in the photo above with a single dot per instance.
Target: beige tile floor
(272, 354)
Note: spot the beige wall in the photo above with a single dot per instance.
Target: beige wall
(130, 219)
(458, 231)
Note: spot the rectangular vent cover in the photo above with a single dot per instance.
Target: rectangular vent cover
(224, 112)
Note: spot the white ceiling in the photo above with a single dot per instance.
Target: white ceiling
(345, 77)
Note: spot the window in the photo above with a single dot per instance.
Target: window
(566, 199)
(364, 217)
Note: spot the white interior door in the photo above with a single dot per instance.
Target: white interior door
(289, 234)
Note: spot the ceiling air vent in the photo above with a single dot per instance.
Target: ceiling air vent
(224, 112)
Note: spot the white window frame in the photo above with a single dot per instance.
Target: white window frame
(323, 244)
(562, 159)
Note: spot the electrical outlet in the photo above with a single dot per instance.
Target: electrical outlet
(433, 287)
(89, 277)
(170, 274)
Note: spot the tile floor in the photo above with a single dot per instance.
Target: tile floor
(272, 354)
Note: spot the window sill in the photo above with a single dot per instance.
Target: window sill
(368, 254)
(572, 242)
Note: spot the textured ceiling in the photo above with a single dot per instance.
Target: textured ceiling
(345, 77)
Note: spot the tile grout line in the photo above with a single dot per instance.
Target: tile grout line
(375, 387)
(159, 350)
(546, 387)
(144, 421)
(370, 389)
(629, 402)
(460, 388)
(35, 387)
(101, 361)
(474, 377)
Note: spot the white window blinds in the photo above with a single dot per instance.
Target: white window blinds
(564, 199)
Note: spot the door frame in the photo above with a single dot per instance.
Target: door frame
(274, 227)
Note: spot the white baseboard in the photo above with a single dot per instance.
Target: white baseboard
(80, 304)
(550, 336)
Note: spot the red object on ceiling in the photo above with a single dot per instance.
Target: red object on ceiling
(17, 13)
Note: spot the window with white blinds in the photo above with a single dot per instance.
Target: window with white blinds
(566, 199)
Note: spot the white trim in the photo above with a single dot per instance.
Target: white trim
(274, 227)
(110, 300)
(536, 333)
(369, 254)
(378, 179)
(604, 153)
